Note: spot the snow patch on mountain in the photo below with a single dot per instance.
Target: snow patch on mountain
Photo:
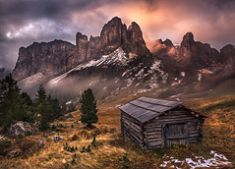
(156, 67)
(116, 58)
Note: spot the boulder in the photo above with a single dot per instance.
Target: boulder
(40, 144)
(21, 128)
(68, 116)
(14, 153)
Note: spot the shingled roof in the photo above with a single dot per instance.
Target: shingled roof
(144, 109)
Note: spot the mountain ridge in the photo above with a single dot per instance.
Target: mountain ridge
(190, 62)
(114, 34)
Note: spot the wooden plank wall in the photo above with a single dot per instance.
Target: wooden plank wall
(132, 129)
(154, 130)
(151, 134)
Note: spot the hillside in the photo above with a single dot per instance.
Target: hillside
(109, 151)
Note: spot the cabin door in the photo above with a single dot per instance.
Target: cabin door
(175, 134)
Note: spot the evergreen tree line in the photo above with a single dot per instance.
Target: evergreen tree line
(16, 105)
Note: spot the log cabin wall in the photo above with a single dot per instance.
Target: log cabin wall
(154, 123)
(132, 129)
(155, 129)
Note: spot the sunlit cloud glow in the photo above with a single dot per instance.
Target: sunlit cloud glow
(23, 22)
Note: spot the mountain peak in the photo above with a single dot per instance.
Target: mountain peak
(228, 51)
(228, 47)
(112, 31)
(58, 56)
(188, 40)
(115, 19)
(46, 57)
(79, 37)
(135, 32)
(168, 43)
(188, 36)
(134, 25)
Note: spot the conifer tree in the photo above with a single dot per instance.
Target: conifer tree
(56, 108)
(13, 106)
(88, 108)
(48, 108)
(43, 107)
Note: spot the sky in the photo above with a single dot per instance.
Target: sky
(23, 22)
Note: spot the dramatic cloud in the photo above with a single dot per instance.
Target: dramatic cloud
(25, 21)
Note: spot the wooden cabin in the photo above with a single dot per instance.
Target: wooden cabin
(154, 123)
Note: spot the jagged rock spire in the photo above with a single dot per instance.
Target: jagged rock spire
(188, 40)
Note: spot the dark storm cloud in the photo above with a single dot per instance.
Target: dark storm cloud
(25, 21)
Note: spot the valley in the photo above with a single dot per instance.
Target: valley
(109, 150)
(59, 106)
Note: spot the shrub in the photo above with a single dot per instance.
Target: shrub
(66, 166)
(85, 134)
(5, 143)
(74, 137)
(68, 148)
(26, 144)
(124, 162)
(86, 149)
(94, 142)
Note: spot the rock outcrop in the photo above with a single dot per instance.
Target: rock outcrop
(114, 34)
(120, 52)
(191, 54)
(21, 128)
(48, 58)
(227, 56)
(195, 60)
(59, 56)
(196, 54)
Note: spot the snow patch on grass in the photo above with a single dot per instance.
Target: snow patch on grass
(216, 161)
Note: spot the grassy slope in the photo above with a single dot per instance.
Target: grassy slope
(110, 152)
(219, 129)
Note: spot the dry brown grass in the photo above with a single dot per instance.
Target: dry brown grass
(110, 152)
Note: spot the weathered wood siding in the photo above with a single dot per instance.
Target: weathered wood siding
(132, 129)
(154, 129)
(153, 134)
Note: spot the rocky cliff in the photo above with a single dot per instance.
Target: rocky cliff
(119, 58)
(227, 56)
(192, 55)
(59, 56)
(48, 58)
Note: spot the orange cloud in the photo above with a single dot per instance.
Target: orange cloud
(164, 19)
